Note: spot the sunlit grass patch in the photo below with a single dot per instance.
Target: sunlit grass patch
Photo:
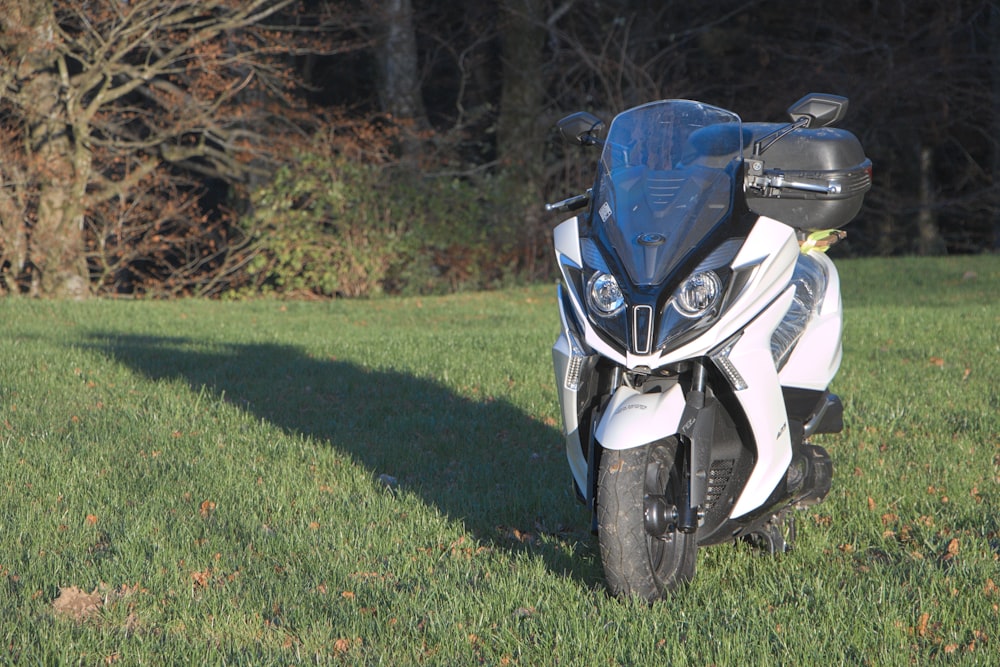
(383, 482)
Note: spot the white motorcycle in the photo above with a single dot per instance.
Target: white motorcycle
(701, 324)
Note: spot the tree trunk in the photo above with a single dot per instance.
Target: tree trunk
(57, 166)
(57, 248)
(928, 237)
(519, 137)
(520, 145)
(994, 37)
(399, 79)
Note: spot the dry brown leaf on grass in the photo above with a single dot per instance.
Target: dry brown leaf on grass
(952, 550)
(206, 509)
(74, 603)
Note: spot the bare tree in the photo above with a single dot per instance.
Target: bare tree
(100, 101)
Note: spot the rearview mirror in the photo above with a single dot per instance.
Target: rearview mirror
(581, 128)
(819, 109)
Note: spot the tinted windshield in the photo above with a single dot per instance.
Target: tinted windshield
(667, 178)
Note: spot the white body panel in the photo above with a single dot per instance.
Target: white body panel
(816, 357)
(763, 402)
(632, 418)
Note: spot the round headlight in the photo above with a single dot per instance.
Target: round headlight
(699, 294)
(604, 295)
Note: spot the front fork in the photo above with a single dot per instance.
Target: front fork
(697, 431)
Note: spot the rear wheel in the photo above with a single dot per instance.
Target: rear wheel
(636, 562)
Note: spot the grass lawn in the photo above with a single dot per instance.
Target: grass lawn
(383, 482)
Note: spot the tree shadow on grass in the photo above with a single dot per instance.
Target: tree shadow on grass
(485, 463)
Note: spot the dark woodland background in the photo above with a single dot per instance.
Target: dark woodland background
(406, 146)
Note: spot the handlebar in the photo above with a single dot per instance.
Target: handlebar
(763, 181)
(571, 203)
(778, 180)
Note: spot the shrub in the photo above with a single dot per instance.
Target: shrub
(331, 226)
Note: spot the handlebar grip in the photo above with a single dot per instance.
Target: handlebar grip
(569, 204)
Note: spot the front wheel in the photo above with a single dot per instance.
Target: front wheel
(636, 562)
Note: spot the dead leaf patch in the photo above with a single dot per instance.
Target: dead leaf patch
(952, 550)
(206, 509)
(74, 603)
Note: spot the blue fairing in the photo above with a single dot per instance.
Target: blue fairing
(667, 180)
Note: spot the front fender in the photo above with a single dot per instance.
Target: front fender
(632, 418)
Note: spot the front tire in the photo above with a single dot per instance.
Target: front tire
(635, 562)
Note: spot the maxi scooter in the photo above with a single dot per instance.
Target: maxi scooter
(701, 328)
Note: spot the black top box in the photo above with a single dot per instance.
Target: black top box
(828, 158)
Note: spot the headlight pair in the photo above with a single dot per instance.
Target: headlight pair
(696, 296)
(694, 304)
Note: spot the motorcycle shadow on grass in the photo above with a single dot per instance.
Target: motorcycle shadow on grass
(483, 462)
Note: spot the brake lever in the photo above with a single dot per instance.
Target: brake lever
(763, 180)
